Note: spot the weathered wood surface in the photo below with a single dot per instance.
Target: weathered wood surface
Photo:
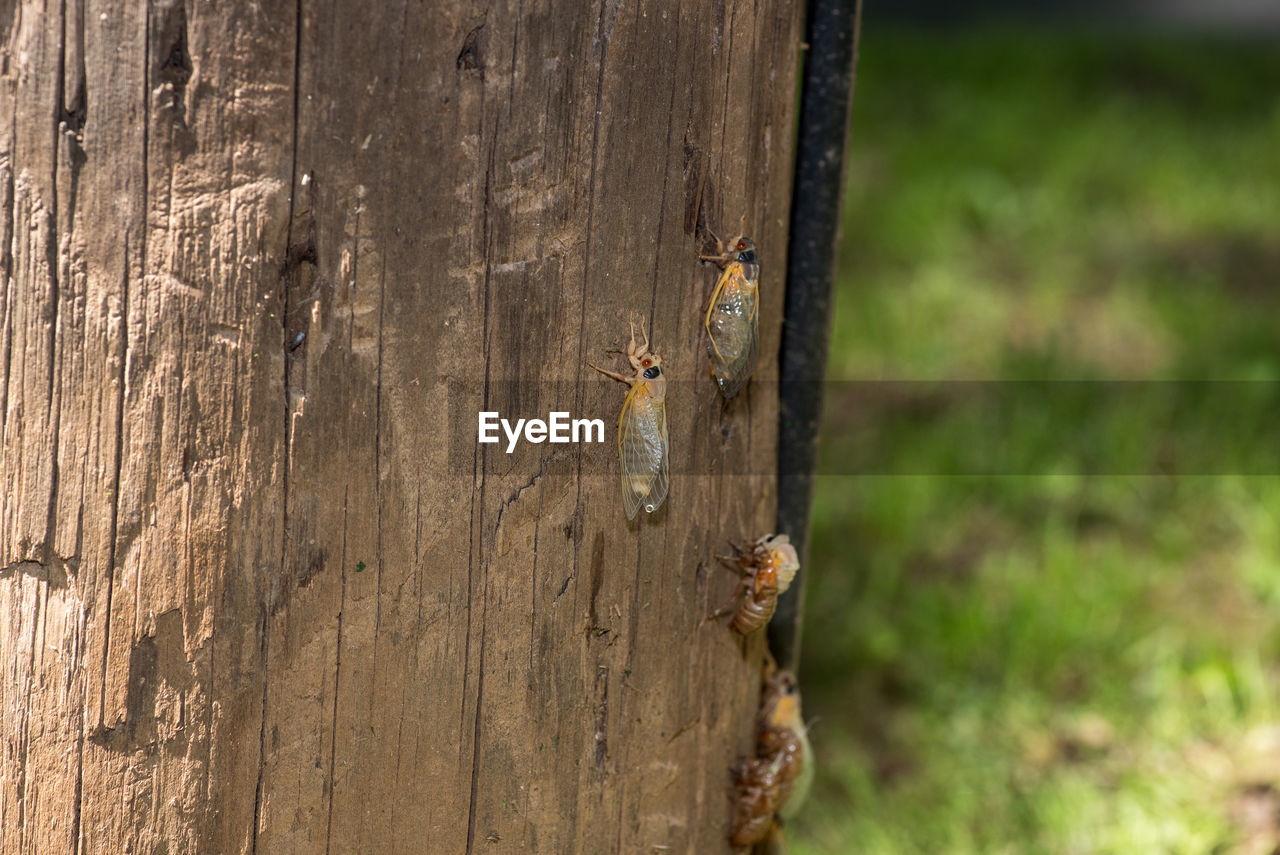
(260, 591)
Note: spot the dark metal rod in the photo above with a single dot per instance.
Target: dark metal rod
(825, 101)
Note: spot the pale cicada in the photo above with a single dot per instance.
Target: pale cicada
(642, 430)
(767, 566)
(733, 318)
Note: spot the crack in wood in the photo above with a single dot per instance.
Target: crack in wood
(470, 58)
(53, 572)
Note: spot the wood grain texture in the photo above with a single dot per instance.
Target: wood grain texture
(260, 590)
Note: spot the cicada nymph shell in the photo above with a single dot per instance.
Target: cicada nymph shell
(767, 566)
(642, 430)
(733, 316)
(759, 789)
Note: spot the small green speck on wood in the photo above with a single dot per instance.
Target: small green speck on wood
(360, 566)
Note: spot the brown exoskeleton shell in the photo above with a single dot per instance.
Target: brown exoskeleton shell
(767, 568)
(759, 791)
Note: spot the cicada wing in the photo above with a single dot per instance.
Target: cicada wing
(735, 376)
(631, 497)
(785, 560)
(803, 782)
(630, 500)
(642, 452)
(733, 330)
(662, 477)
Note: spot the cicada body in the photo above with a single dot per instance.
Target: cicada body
(782, 734)
(767, 567)
(773, 783)
(733, 317)
(642, 430)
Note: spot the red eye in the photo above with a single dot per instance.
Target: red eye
(742, 244)
(646, 362)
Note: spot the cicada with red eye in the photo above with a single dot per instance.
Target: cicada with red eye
(733, 315)
(642, 429)
(767, 566)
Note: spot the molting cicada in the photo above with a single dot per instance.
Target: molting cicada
(782, 730)
(767, 566)
(771, 786)
(642, 429)
(733, 317)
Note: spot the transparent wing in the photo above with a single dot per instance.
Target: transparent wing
(733, 330)
(662, 478)
(642, 452)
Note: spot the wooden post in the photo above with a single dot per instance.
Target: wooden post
(260, 589)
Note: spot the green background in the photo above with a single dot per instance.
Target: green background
(1079, 657)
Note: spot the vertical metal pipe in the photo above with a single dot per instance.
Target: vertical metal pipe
(827, 95)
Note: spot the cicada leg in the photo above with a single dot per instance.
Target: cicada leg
(723, 254)
(720, 255)
(719, 613)
(735, 605)
(634, 351)
(743, 590)
(628, 380)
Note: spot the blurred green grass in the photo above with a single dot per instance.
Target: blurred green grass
(1062, 661)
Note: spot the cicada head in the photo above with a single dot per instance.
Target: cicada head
(782, 702)
(649, 365)
(744, 250)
